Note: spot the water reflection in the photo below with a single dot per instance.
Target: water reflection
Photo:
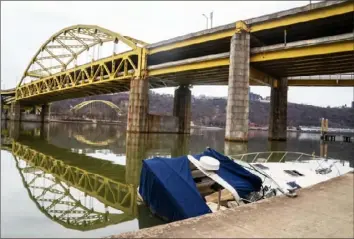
(234, 148)
(85, 176)
(73, 197)
(75, 190)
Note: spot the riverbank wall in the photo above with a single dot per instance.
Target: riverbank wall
(323, 210)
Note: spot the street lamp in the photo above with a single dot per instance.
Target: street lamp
(207, 20)
(211, 19)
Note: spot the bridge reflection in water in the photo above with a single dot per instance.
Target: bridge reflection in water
(78, 191)
(85, 177)
(72, 196)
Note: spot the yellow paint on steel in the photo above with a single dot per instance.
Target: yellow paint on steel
(277, 22)
(82, 139)
(4, 92)
(86, 103)
(314, 50)
(255, 74)
(70, 80)
(91, 183)
(190, 66)
(113, 36)
(192, 41)
(304, 17)
(241, 26)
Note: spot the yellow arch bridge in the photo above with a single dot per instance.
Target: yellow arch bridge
(96, 102)
(72, 62)
(276, 50)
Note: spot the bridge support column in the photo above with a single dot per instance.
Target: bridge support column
(3, 113)
(2, 105)
(136, 147)
(182, 108)
(278, 110)
(237, 101)
(138, 106)
(15, 111)
(14, 130)
(45, 113)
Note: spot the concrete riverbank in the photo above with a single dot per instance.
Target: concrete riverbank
(323, 210)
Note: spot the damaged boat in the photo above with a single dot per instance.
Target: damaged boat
(193, 185)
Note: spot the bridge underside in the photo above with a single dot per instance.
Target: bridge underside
(325, 64)
(271, 50)
(108, 87)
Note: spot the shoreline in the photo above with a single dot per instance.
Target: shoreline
(316, 130)
(256, 219)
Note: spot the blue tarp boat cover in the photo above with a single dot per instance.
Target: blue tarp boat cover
(168, 188)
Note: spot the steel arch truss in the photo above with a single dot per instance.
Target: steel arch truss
(83, 140)
(62, 204)
(65, 74)
(114, 194)
(90, 102)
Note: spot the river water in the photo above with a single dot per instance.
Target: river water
(80, 180)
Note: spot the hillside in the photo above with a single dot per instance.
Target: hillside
(211, 111)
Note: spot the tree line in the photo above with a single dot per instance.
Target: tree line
(211, 111)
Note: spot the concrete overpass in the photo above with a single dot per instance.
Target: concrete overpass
(314, 40)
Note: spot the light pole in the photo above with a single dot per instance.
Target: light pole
(211, 19)
(207, 20)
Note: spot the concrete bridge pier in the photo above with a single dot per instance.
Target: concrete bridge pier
(3, 111)
(45, 113)
(139, 119)
(278, 110)
(182, 108)
(15, 111)
(2, 104)
(14, 129)
(237, 109)
(138, 106)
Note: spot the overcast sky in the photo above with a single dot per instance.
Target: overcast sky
(26, 25)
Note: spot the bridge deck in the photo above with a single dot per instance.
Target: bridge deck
(283, 44)
(323, 210)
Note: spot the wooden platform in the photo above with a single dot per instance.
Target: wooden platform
(323, 210)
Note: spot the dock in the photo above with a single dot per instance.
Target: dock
(323, 210)
(332, 137)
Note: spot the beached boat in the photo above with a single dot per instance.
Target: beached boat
(193, 185)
